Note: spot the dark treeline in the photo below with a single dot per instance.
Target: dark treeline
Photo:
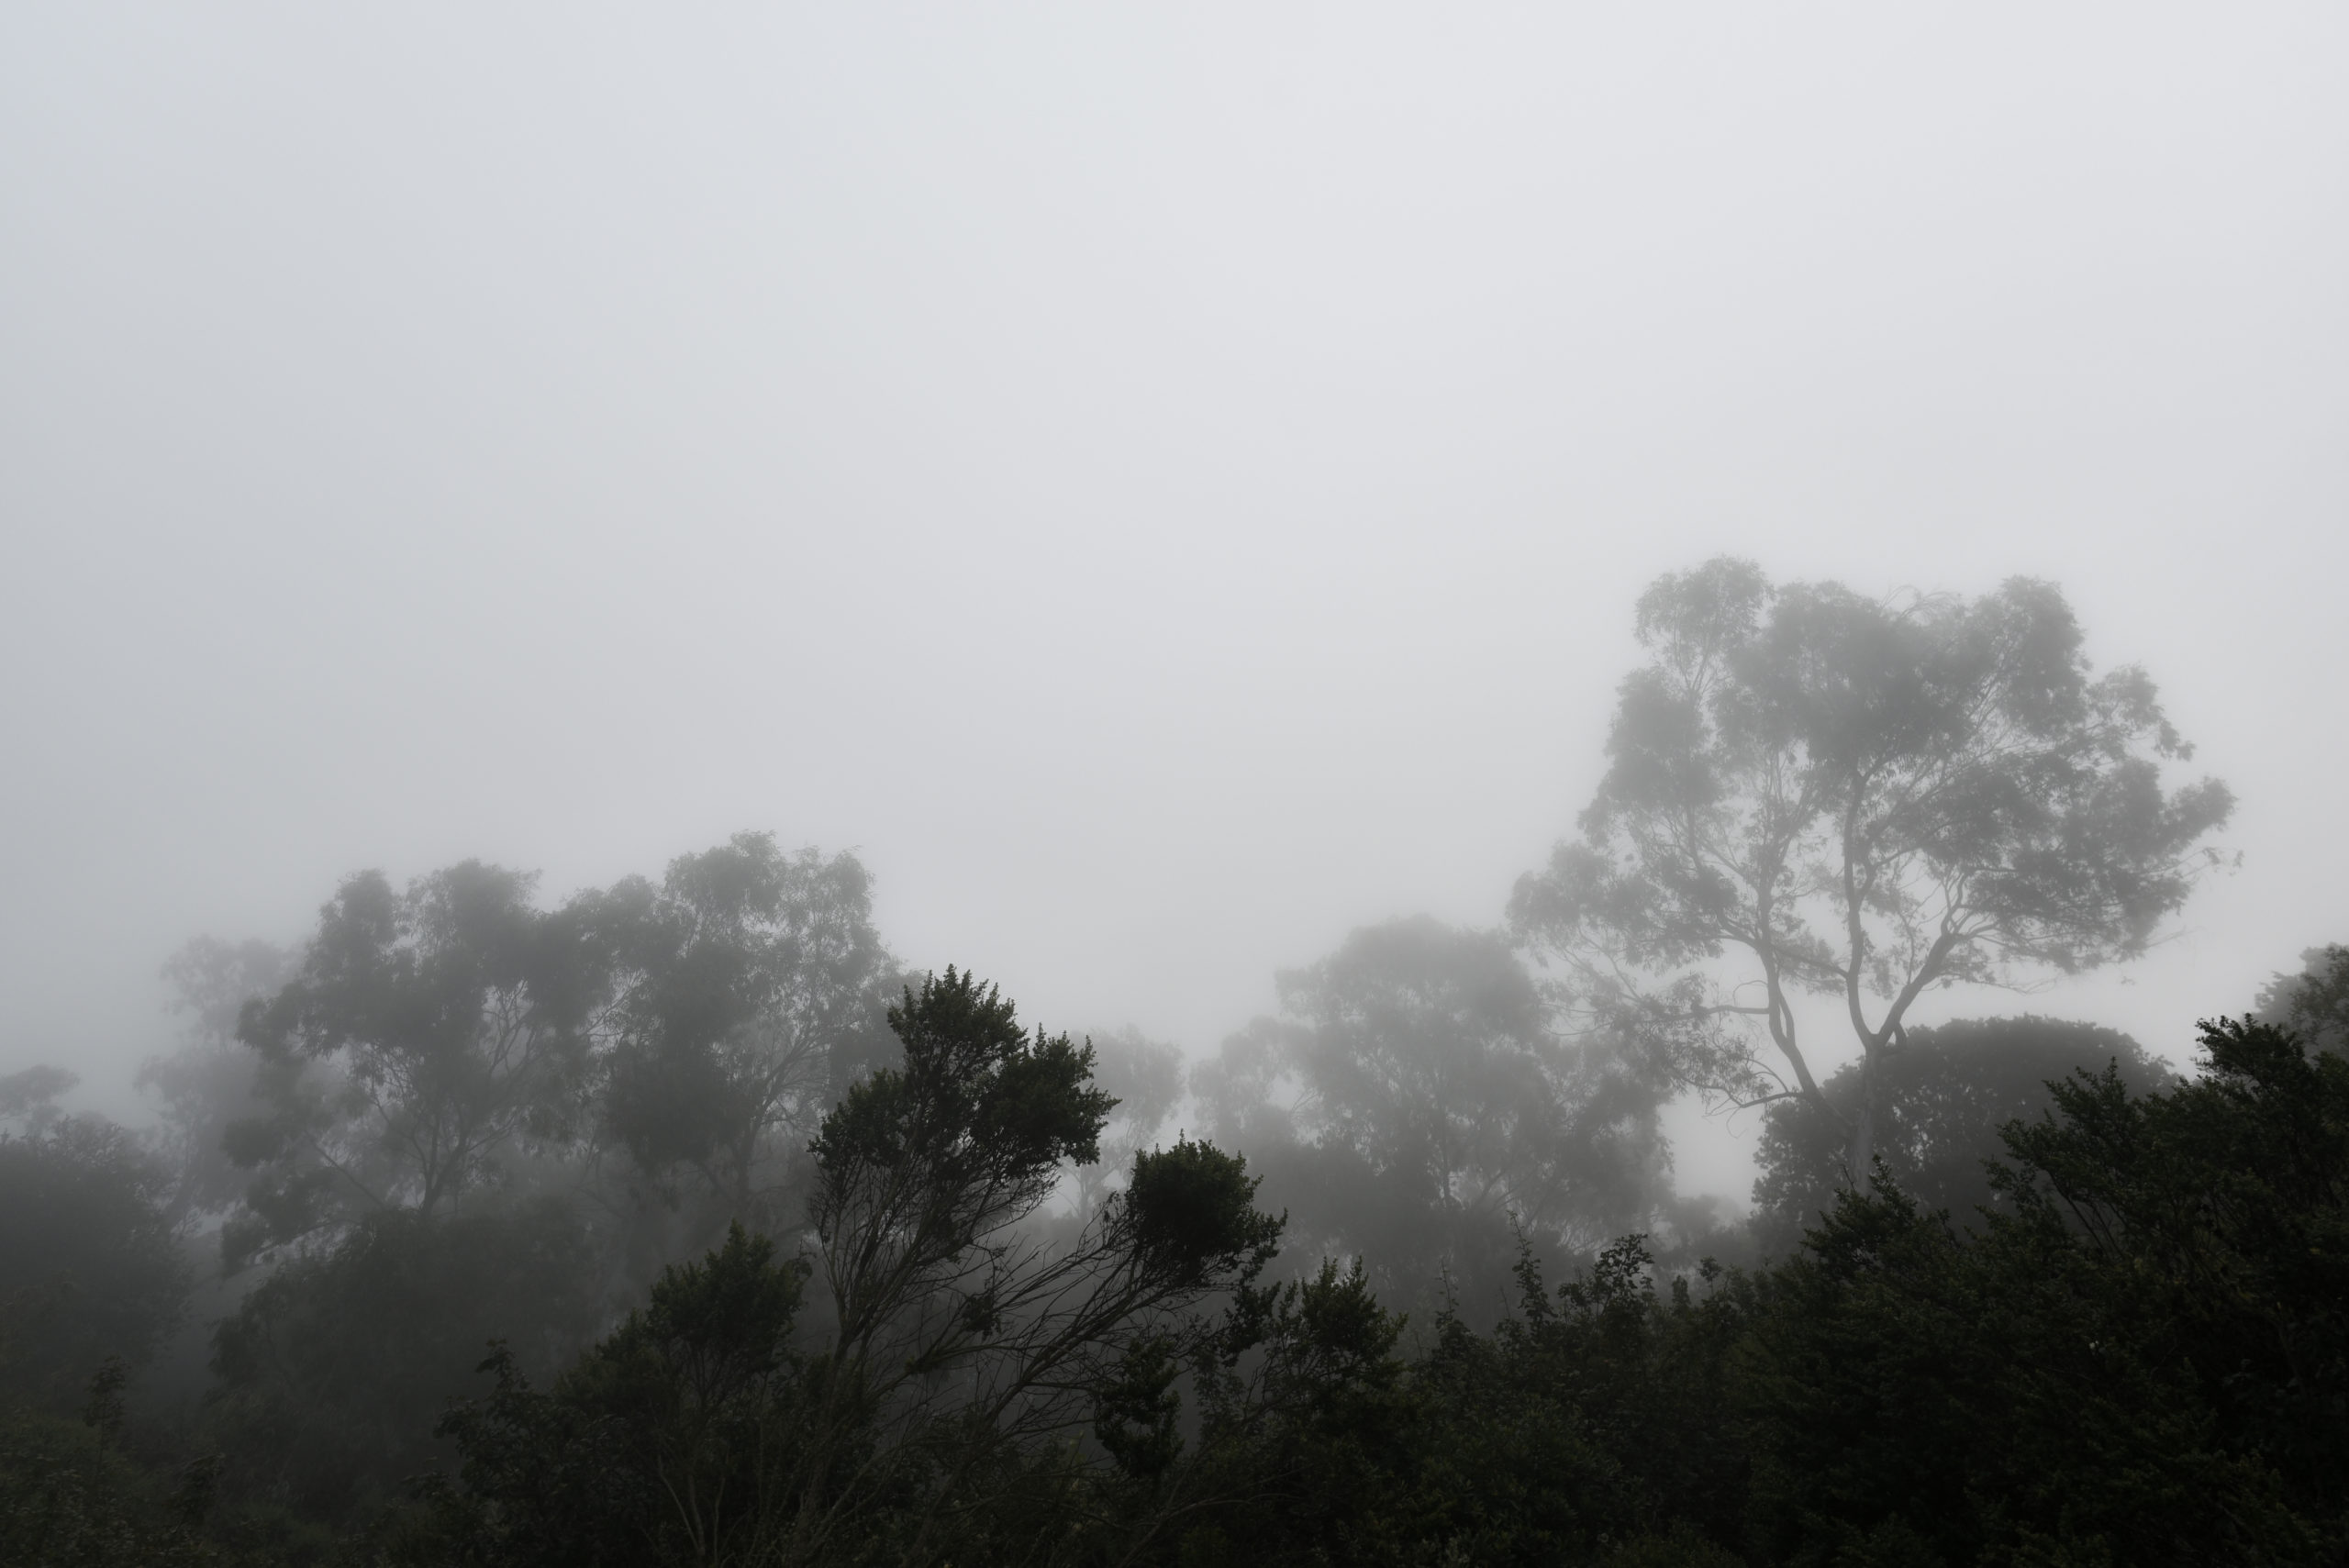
(681, 1222)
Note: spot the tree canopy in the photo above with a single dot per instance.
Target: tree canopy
(1949, 1092)
(1811, 792)
(1411, 1106)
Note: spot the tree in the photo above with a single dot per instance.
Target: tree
(1947, 1096)
(1413, 1108)
(424, 1039)
(955, 1358)
(2313, 1004)
(958, 1336)
(206, 1086)
(2142, 1358)
(1861, 799)
(90, 1266)
(332, 1372)
(751, 985)
(1145, 1078)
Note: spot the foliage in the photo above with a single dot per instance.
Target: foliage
(2134, 1349)
(206, 1086)
(1411, 1107)
(331, 1374)
(751, 985)
(1145, 1077)
(1948, 1091)
(70, 1499)
(662, 1444)
(426, 1035)
(954, 1353)
(89, 1262)
(28, 1098)
(2313, 1004)
(2143, 1363)
(1863, 800)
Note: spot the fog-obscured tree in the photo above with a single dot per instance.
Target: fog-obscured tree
(959, 1335)
(28, 1098)
(1411, 1106)
(331, 1375)
(90, 1265)
(208, 1085)
(1813, 791)
(2313, 1004)
(753, 988)
(1144, 1076)
(427, 1037)
(2144, 1360)
(915, 1390)
(1949, 1091)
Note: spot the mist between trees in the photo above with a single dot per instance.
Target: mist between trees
(684, 1221)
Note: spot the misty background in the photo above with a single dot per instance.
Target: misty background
(1166, 490)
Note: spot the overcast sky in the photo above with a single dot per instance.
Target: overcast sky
(1166, 484)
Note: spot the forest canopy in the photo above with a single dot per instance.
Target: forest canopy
(683, 1221)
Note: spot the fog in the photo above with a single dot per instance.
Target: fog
(1164, 488)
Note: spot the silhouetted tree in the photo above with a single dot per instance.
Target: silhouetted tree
(954, 1353)
(1861, 799)
(2144, 1360)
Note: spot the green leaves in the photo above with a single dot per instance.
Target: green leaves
(977, 1098)
(1192, 1210)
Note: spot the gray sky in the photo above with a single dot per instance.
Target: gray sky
(1166, 484)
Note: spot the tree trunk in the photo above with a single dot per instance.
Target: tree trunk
(1859, 1160)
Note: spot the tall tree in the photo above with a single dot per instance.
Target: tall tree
(752, 984)
(1811, 790)
(427, 1037)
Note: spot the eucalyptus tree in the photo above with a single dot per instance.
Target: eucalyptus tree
(751, 985)
(427, 1037)
(1813, 791)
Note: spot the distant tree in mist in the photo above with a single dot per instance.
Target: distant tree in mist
(1411, 1106)
(424, 1037)
(330, 1375)
(208, 1085)
(750, 987)
(2313, 1004)
(1810, 792)
(1948, 1093)
(90, 1265)
(28, 1098)
(1145, 1076)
